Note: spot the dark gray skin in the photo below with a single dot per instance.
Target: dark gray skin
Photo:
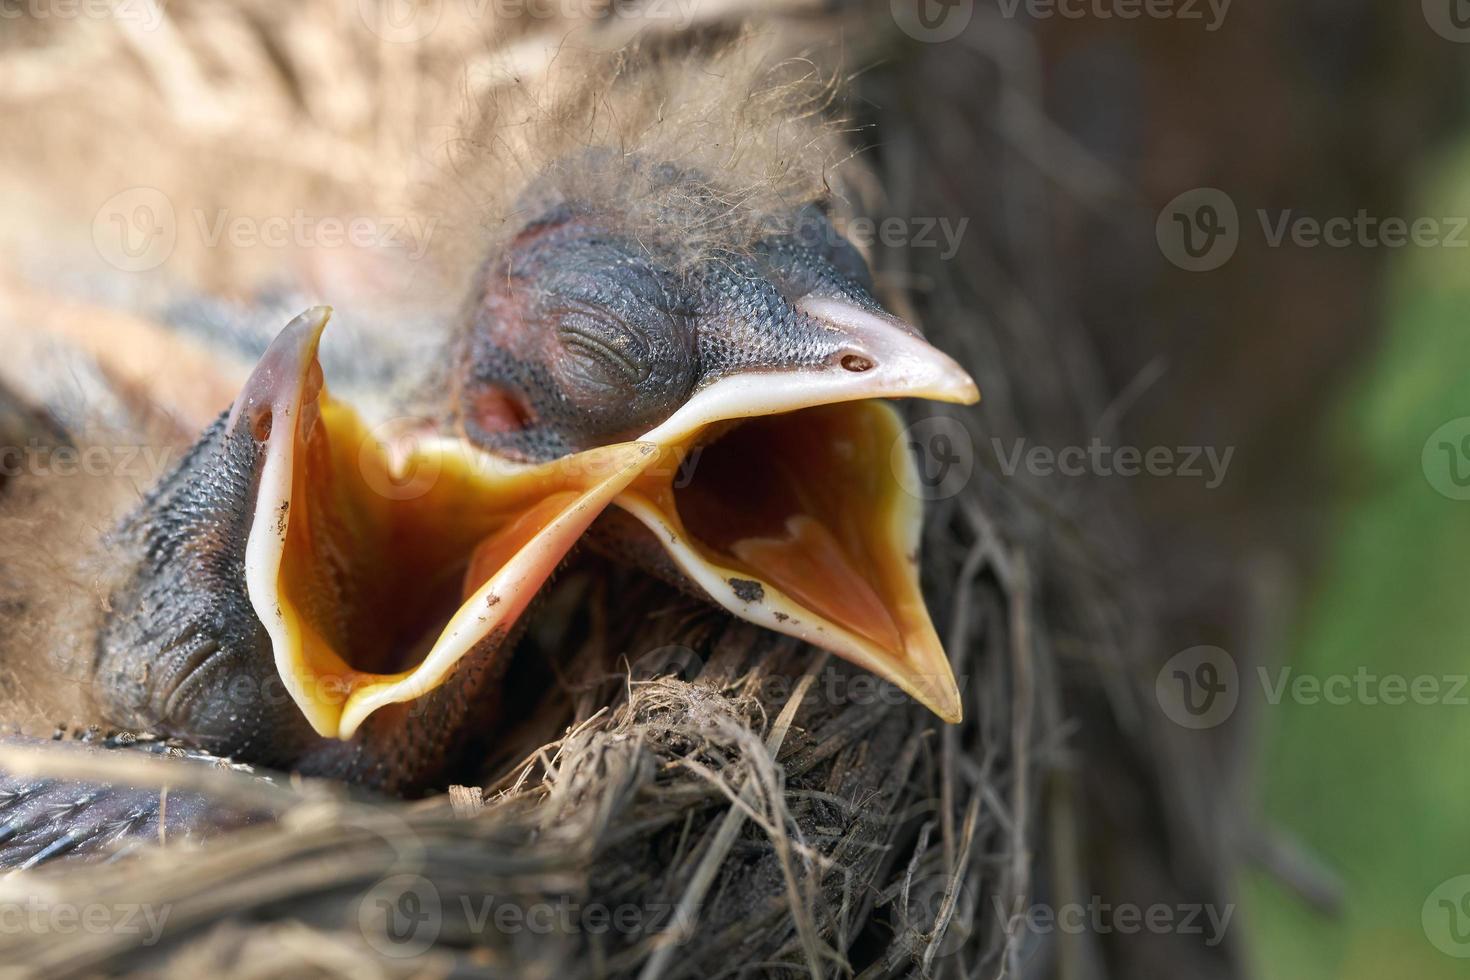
(183, 654)
(581, 335)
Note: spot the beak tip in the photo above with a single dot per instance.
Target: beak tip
(957, 386)
(939, 691)
(309, 323)
(947, 705)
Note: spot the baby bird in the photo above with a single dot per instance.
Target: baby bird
(306, 597)
(672, 354)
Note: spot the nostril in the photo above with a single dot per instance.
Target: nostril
(262, 427)
(497, 410)
(856, 363)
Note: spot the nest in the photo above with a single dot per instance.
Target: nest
(775, 806)
(690, 796)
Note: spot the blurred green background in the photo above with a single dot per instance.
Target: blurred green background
(1381, 793)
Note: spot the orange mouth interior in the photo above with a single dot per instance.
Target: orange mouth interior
(377, 564)
(806, 502)
(389, 564)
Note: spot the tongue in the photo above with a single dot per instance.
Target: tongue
(492, 554)
(808, 564)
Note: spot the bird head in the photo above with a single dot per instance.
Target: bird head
(343, 573)
(749, 347)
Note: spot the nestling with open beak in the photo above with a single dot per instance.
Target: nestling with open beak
(309, 596)
(756, 373)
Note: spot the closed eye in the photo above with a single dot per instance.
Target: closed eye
(582, 333)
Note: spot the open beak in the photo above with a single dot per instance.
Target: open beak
(378, 565)
(796, 518)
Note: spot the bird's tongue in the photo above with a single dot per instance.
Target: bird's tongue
(808, 563)
(494, 552)
(798, 501)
